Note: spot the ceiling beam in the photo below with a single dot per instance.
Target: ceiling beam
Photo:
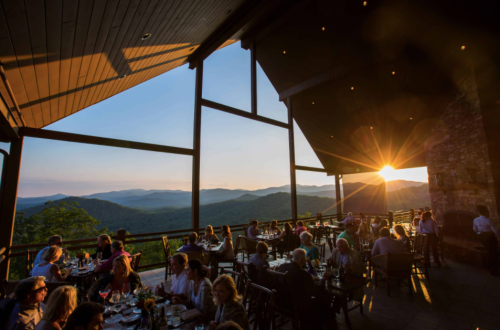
(8, 124)
(310, 169)
(249, 10)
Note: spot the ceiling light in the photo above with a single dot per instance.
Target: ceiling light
(393, 73)
(313, 103)
(462, 48)
(411, 118)
(146, 36)
(122, 76)
(371, 127)
(331, 136)
(284, 52)
(323, 28)
(352, 88)
(365, 3)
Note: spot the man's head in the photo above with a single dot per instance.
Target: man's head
(419, 213)
(349, 214)
(262, 248)
(55, 240)
(483, 210)
(299, 256)
(87, 316)
(116, 246)
(254, 223)
(342, 245)
(350, 229)
(178, 263)
(300, 224)
(385, 232)
(31, 290)
(192, 237)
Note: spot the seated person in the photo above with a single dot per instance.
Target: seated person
(121, 278)
(274, 227)
(103, 247)
(385, 244)
(209, 236)
(180, 282)
(376, 226)
(403, 238)
(192, 246)
(200, 294)
(259, 260)
(253, 231)
(87, 316)
(351, 260)
(364, 232)
(27, 312)
(383, 223)
(305, 290)
(48, 268)
(227, 244)
(55, 240)
(62, 302)
(300, 228)
(285, 236)
(229, 307)
(362, 218)
(349, 219)
(348, 234)
(116, 250)
(311, 249)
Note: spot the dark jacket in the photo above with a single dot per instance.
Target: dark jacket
(134, 282)
(106, 253)
(304, 285)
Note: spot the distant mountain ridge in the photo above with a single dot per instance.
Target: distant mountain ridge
(154, 199)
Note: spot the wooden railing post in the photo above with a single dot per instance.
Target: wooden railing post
(120, 235)
(391, 218)
(412, 214)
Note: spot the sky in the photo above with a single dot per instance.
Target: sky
(236, 153)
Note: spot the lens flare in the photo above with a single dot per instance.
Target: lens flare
(388, 173)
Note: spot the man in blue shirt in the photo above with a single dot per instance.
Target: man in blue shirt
(486, 231)
(55, 240)
(192, 246)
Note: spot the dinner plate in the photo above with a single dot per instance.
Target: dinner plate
(114, 319)
(103, 260)
(181, 308)
(131, 318)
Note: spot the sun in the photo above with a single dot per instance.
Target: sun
(388, 173)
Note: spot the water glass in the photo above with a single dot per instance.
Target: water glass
(176, 319)
(99, 255)
(336, 273)
(115, 296)
(199, 327)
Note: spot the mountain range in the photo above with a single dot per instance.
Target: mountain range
(155, 199)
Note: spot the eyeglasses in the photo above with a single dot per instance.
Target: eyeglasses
(41, 288)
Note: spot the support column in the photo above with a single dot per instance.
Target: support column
(8, 207)
(338, 198)
(195, 204)
(253, 75)
(291, 144)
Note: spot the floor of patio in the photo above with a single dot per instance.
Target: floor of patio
(457, 296)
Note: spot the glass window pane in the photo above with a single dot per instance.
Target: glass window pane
(226, 77)
(158, 111)
(315, 193)
(304, 153)
(268, 103)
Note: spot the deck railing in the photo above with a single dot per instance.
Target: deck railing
(78, 244)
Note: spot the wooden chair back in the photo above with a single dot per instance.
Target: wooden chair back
(285, 302)
(248, 269)
(238, 277)
(30, 259)
(245, 230)
(166, 248)
(331, 245)
(395, 263)
(249, 246)
(419, 244)
(259, 301)
(203, 257)
(135, 259)
(321, 247)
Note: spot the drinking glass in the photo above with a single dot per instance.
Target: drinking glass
(99, 256)
(176, 319)
(199, 327)
(115, 296)
(336, 273)
(125, 291)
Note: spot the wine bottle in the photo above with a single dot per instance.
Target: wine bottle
(341, 272)
(162, 321)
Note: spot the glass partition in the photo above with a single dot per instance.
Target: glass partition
(268, 103)
(315, 193)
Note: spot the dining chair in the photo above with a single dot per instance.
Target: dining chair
(259, 302)
(285, 303)
(134, 261)
(393, 266)
(251, 272)
(239, 278)
(248, 246)
(30, 259)
(418, 256)
(331, 244)
(168, 256)
(321, 247)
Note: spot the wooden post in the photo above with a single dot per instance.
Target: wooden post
(291, 147)
(391, 218)
(195, 205)
(412, 215)
(9, 200)
(120, 235)
(338, 198)
(253, 76)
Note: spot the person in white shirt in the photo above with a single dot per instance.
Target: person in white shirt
(385, 244)
(486, 230)
(180, 282)
(429, 227)
(349, 219)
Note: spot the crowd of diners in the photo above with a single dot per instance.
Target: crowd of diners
(218, 302)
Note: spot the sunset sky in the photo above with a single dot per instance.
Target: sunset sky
(236, 153)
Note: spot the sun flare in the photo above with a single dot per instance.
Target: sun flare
(388, 173)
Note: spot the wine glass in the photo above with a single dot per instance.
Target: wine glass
(103, 295)
(125, 291)
(99, 256)
(176, 319)
(336, 273)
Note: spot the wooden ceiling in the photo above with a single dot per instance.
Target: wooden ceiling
(367, 80)
(64, 56)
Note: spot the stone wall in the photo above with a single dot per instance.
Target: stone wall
(457, 151)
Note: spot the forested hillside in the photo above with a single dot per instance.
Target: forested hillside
(407, 198)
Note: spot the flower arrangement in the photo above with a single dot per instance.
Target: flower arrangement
(145, 300)
(315, 263)
(83, 255)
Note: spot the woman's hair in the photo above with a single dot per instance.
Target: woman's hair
(226, 231)
(83, 315)
(426, 216)
(209, 229)
(288, 227)
(105, 238)
(377, 219)
(300, 223)
(61, 303)
(123, 260)
(262, 247)
(254, 222)
(117, 245)
(363, 228)
(195, 264)
(228, 282)
(274, 223)
(52, 254)
(383, 223)
(181, 258)
(306, 234)
(400, 230)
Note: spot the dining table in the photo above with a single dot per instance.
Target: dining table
(271, 240)
(210, 248)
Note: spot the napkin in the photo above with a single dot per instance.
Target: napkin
(190, 314)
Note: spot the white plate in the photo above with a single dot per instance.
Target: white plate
(133, 317)
(114, 319)
(182, 308)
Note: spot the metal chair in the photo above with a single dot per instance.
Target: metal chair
(134, 261)
(168, 256)
(259, 302)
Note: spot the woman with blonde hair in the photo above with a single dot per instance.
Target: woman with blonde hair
(48, 269)
(61, 303)
(103, 247)
(364, 232)
(121, 278)
(229, 307)
(209, 235)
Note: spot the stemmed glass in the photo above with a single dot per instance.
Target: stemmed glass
(336, 273)
(99, 256)
(103, 295)
(125, 291)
